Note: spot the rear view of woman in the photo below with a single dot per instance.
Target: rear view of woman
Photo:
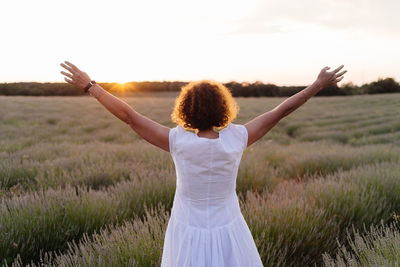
(206, 227)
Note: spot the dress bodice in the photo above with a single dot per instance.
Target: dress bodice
(206, 172)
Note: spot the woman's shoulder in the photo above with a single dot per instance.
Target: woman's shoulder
(235, 127)
(178, 131)
(237, 132)
(175, 134)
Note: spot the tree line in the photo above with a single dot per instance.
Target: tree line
(256, 89)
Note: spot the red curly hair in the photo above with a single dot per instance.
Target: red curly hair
(204, 104)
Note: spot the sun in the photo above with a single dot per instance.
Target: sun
(122, 87)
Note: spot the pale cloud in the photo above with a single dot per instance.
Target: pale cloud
(373, 16)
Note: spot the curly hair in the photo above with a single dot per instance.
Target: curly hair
(204, 104)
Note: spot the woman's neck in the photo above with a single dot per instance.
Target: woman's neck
(210, 133)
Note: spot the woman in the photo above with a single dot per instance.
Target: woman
(206, 227)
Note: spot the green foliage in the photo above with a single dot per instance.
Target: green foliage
(134, 243)
(13, 174)
(39, 89)
(297, 223)
(256, 89)
(292, 226)
(388, 85)
(48, 220)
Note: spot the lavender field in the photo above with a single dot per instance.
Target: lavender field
(79, 188)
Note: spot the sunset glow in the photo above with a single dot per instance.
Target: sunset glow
(122, 87)
(281, 42)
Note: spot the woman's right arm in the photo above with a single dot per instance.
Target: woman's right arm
(262, 124)
(148, 129)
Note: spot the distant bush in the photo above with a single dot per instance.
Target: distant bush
(256, 89)
(332, 90)
(39, 89)
(382, 86)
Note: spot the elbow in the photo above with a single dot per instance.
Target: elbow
(125, 117)
(130, 116)
(285, 110)
(280, 113)
(128, 120)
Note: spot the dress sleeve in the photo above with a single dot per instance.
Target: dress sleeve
(240, 132)
(244, 135)
(173, 133)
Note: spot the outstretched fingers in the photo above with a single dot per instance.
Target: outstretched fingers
(67, 67)
(71, 65)
(339, 79)
(336, 74)
(66, 74)
(341, 73)
(69, 80)
(338, 68)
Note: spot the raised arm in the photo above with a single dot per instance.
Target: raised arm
(260, 125)
(151, 131)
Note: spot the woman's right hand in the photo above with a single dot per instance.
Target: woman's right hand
(327, 78)
(76, 77)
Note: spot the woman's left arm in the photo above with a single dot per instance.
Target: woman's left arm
(150, 130)
(262, 124)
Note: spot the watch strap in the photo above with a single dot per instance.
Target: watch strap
(90, 84)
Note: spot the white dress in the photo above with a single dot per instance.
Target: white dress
(206, 227)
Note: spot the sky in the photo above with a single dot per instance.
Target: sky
(284, 42)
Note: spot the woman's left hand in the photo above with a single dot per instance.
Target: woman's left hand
(76, 77)
(328, 78)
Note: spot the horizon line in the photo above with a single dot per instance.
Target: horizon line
(240, 82)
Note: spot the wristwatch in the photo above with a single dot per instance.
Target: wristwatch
(90, 84)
